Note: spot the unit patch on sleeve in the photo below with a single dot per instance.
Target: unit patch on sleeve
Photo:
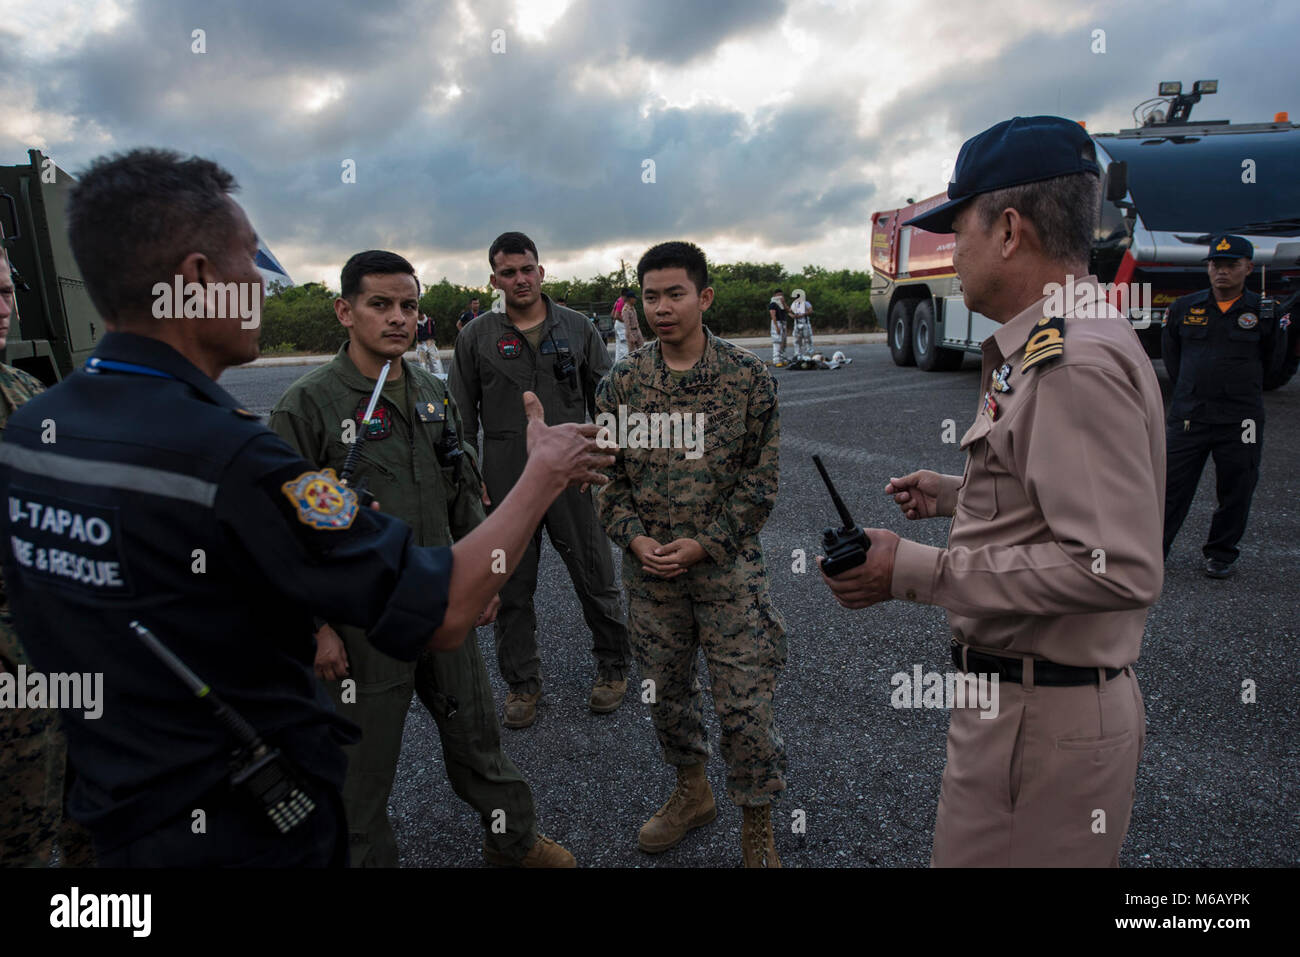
(1045, 343)
(321, 500)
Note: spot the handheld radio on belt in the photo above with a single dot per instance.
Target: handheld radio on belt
(845, 547)
(259, 772)
(354, 454)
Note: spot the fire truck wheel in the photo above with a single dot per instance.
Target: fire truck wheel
(900, 332)
(929, 355)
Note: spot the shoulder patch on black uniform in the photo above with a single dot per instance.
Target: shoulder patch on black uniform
(245, 414)
(321, 500)
(1045, 343)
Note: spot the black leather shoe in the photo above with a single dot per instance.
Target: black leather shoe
(1217, 569)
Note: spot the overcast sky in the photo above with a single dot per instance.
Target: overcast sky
(776, 128)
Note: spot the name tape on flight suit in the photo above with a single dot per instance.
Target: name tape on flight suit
(430, 412)
(1046, 342)
(68, 542)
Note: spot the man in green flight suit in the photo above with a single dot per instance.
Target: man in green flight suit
(421, 473)
(698, 467)
(33, 752)
(535, 345)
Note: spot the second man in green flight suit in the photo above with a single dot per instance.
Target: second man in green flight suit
(413, 468)
(534, 345)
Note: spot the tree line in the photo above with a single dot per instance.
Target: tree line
(301, 318)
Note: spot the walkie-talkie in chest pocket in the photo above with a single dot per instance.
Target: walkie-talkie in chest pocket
(565, 368)
(447, 445)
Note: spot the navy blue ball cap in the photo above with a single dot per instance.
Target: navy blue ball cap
(1230, 247)
(1023, 149)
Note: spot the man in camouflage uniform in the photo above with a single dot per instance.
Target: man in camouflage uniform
(33, 753)
(427, 478)
(688, 520)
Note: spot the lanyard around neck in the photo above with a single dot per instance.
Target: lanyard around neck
(96, 365)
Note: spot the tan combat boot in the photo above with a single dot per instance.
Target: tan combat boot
(544, 853)
(690, 806)
(607, 694)
(756, 841)
(521, 709)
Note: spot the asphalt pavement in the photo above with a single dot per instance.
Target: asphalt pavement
(1218, 780)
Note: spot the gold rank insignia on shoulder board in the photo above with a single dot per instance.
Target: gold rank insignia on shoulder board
(1045, 343)
(321, 500)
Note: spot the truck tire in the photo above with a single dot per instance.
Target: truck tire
(929, 355)
(900, 332)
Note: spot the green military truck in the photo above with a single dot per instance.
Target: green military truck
(55, 327)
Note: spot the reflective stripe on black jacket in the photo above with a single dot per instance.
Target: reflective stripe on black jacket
(151, 495)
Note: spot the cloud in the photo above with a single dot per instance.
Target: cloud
(772, 125)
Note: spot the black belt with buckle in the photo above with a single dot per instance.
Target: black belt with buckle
(1045, 672)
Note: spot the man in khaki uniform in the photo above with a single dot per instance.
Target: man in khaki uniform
(1054, 556)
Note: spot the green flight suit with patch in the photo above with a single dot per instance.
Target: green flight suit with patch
(494, 364)
(400, 464)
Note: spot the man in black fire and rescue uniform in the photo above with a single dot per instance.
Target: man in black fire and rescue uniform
(1218, 350)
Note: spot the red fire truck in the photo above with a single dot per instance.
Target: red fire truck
(1169, 184)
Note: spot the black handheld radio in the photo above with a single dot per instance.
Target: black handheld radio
(448, 446)
(259, 772)
(1267, 306)
(845, 547)
(565, 368)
